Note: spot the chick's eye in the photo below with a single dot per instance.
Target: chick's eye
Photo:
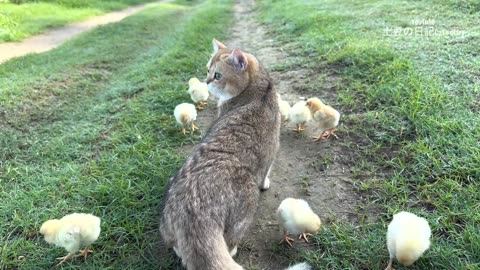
(217, 76)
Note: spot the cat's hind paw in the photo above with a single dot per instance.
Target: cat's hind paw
(266, 184)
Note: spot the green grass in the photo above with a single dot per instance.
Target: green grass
(88, 127)
(411, 112)
(19, 21)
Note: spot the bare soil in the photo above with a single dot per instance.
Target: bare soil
(319, 172)
(56, 37)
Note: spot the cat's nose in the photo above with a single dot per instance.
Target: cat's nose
(209, 80)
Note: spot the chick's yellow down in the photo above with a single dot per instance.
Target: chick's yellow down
(72, 232)
(408, 237)
(284, 108)
(296, 217)
(299, 114)
(185, 113)
(198, 92)
(325, 116)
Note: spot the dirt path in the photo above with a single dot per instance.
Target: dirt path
(54, 38)
(316, 172)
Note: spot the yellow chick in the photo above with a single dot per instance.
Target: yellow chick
(185, 113)
(299, 114)
(72, 232)
(326, 117)
(198, 92)
(284, 108)
(408, 237)
(296, 217)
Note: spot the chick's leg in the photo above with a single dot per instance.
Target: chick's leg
(199, 106)
(65, 258)
(286, 239)
(84, 253)
(320, 137)
(304, 236)
(389, 266)
(300, 127)
(330, 133)
(193, 126)
(297, 129)
(183, 129)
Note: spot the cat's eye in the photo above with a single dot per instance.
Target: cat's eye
(217, 76)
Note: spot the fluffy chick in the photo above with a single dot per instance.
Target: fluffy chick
(186, 113)
(72, 232)
(296, 217)
(408, 237)
(198, 92)
(326, 117)
(299, 114)
(284, 107)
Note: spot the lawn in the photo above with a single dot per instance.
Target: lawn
(89, 127)
(19, 21)
(411, 113)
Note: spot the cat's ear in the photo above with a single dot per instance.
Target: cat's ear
(238, 59)
(217, 45)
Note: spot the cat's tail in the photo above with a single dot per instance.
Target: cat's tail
(211, 252)
(206, 250)
(300, 266)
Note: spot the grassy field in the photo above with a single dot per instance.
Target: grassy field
(410, 103)
(92, 130)
(18, 21)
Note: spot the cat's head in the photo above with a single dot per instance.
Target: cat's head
(229, 71)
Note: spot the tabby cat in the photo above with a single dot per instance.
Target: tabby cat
(210, 203)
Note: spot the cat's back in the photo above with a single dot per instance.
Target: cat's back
(233, 154)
